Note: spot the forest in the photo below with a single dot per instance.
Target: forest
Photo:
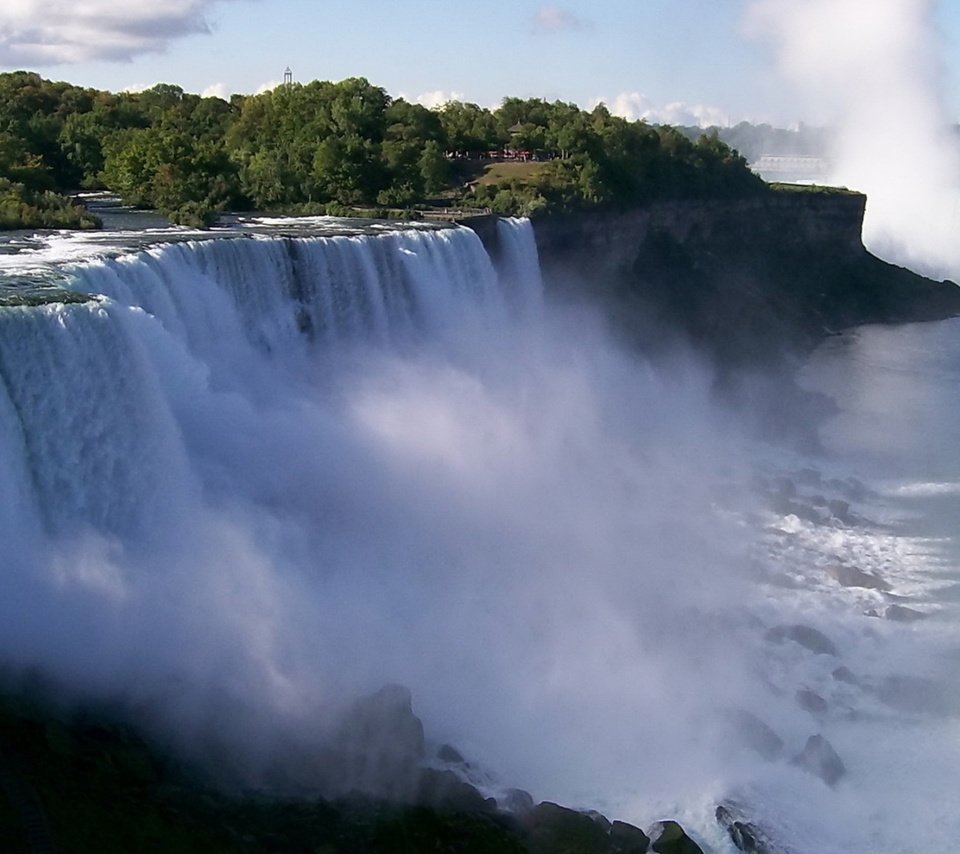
(337, 148)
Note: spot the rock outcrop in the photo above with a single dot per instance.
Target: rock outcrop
(745, 279)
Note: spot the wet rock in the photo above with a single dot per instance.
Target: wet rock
(902, 614)
(752, 732)
(552, 829)
(670, 838)
(809, 638)
(811, 701)
(450, 754)
(745, 835)
(840, 510)
(820, 759)
(444, 790)
(627, 839)
(517, 801)
(850, 576)
(845, 674)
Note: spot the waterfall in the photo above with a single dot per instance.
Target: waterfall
(96, 398)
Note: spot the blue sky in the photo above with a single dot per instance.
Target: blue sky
(677, 59)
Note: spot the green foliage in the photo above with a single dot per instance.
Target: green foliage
(22, 207)
(340, 146)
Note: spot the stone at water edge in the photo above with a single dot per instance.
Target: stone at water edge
(670, 838)
(627, 839)
(552, 829)
(516, 801)
(744, 834)
(809, 638)
(811, 701)
(902, 614)
(850, 576)
(820, 759)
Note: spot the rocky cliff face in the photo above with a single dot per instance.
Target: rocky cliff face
(747, 280)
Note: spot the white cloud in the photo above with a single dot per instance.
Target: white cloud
(52, 32)
(216, 90)
(269, 86)
(433, 100)
(635, 106)
(554, 19)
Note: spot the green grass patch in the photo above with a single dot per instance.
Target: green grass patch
(819, 189)
(508, 170)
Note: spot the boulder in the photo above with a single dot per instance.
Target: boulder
(850, 576)
(846, 675)
(819, 758)
(744, 834)
(811, 701)
(627, 839)
(552, 829)
(670, 838)
(902, 614)
(517, 801)
(809, 638)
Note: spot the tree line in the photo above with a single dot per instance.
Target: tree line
(328, 147)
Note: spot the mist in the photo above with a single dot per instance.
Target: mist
(532, 529)
(872, 71)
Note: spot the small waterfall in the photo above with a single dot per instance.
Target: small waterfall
(519, 263)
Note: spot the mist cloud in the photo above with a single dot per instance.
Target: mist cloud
(873, 68)
(34, 32)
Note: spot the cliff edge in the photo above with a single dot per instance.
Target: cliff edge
(746, 279)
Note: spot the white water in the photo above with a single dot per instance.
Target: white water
(259, 477)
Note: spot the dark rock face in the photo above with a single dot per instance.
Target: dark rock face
(552, 829)
(379, 747)
(816, 641)
(819, 758)
(448, 753)
(444, 790)
(670, 838)
(745, 279)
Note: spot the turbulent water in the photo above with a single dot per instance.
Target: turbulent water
(255, 477)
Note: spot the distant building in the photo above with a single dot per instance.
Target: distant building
(287, 77)
(791, 167)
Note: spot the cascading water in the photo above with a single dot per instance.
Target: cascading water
(253, 478)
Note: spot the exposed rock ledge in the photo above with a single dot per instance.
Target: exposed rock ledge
(746, 279)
